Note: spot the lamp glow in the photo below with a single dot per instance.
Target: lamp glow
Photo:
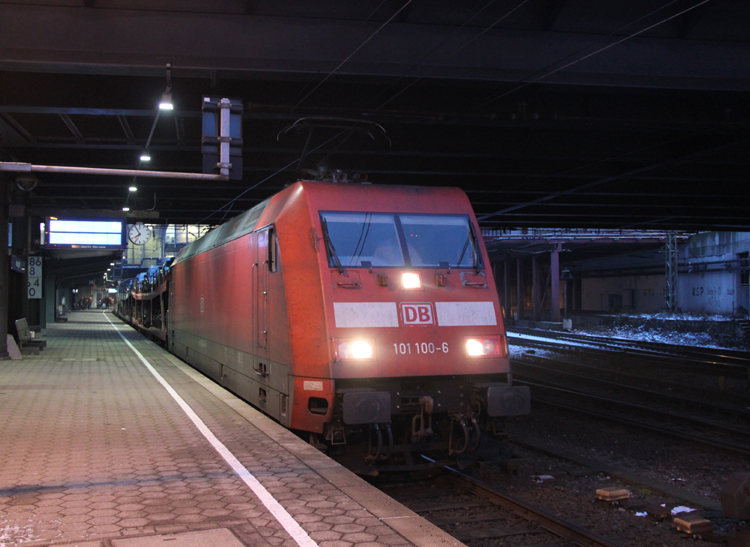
(133, 189)
(474, 348)
(355, 349)
(483, 347)
(166, 102)
(145, 156)
(411, 280)
(126, 208)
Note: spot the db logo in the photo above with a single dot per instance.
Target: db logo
(417, 314)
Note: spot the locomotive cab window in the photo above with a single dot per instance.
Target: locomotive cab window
(433, 240)
(388, 240)
(353, 238)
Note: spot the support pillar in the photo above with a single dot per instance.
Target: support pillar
(506, 289)
(536, 289)
(670, 291)
(4, 264)
(519, 287)
(555, 281)
(35, 316)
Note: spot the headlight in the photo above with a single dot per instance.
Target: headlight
(411, 280)
(354, 349)
(488, 346)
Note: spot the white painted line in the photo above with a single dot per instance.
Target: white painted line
(285, 519)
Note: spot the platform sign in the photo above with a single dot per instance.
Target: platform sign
(17, 264)
(35, 278)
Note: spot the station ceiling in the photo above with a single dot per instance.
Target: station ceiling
(548, 113)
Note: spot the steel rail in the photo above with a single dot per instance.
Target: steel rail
(732, 410)
(553, 524)
(605, 348)
(743, 450)
(713, 355)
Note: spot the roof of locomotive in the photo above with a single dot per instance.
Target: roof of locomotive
(246, 222)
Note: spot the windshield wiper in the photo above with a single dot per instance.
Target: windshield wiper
(463, 252)
(472, 238)
(329, 245)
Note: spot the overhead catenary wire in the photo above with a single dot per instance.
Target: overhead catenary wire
(369, 38)
(524, 82)
(434, 67)
(342, 63)
(312, 80)
(495, 23)
(287, 166)
(352, 54)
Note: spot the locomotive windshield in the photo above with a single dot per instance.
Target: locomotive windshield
(386, 240)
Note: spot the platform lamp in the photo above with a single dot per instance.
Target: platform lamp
(166, 98)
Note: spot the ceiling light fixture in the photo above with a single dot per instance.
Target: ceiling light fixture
(133, 189)
(166, 98)
(145, 156)
(166, 101)
(126, 208)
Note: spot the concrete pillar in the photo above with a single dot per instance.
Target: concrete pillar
(519, 287)
(536, 289)
(506, 288)
(555, 282)
(35, 317)
(49, 298)
(4, 264)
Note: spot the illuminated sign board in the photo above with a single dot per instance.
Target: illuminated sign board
(84, 234)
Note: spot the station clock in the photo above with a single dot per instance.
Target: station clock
(139, 234)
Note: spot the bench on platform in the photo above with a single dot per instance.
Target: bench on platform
(25, 341)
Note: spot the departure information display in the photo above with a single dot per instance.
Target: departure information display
(84, 234)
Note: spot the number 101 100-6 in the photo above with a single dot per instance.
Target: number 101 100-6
(420, 348)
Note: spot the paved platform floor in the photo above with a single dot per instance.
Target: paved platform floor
(107, 440)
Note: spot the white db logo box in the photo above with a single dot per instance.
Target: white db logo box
(417, 313)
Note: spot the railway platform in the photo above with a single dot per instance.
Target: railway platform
(107, 440)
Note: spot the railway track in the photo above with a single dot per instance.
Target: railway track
(717, 355)
(663, 411)
(471, 510)
(673, 424)
(689, 360)
(730, 406)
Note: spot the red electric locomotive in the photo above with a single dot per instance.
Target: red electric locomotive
(352, 312)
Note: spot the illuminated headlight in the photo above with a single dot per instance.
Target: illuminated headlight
(483, 347)
(411, 280)
(354, 349)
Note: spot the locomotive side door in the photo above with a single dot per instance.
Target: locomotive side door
(261, 296)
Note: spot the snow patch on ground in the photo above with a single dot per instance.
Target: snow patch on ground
(517, 352)
(658, 329)
(646, 335)
(678, 317)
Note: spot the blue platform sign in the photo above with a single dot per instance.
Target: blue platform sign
(17, 264)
